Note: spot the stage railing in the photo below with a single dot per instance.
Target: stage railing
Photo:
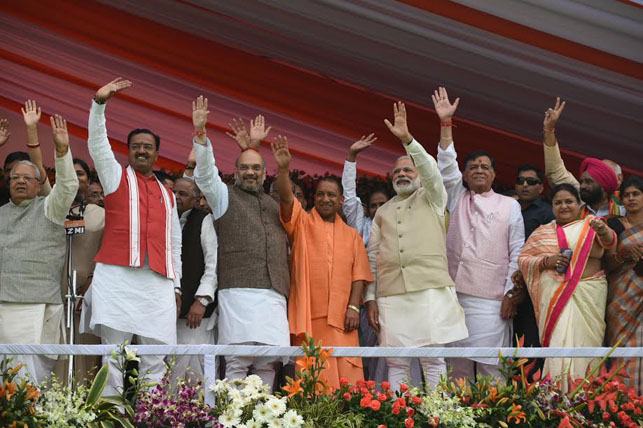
(210, 352)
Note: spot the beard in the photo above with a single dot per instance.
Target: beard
(408, 187)
(591, 197)
(238, 181)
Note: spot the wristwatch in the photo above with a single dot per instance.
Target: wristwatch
(203, 300)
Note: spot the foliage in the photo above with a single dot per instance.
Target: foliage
(311, 396)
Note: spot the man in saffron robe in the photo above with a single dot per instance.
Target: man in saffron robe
(329, 269)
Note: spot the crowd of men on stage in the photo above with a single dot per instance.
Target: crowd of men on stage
(197, 261)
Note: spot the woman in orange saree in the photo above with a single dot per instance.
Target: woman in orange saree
(569, 292)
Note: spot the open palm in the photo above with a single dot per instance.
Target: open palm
(442, 105)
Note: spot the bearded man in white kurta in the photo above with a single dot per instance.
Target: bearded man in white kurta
(137, 280)
(413, 300)
(486, 234)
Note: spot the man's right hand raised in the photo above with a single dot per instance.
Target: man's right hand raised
(200, 118)
(281, 152)
(109, 90)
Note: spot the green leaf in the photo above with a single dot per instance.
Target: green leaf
(98, 386)
(124, 422)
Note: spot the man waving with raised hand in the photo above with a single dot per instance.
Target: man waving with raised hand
(137, 281)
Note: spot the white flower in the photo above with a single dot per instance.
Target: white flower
(228, 420)
(254, 424)
(262, 413)
(275, 423)
(277, 406)
(292, 419)
(130, 355)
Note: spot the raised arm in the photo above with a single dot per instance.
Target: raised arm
(206, 173)
(31, 114)
(424, 163)
(554, 166)
(282, 158)
(447, 156)
(109, 171)
(58, 202)
(352, 207)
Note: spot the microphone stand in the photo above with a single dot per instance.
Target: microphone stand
(75, 224)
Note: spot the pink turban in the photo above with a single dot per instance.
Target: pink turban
(603, 174)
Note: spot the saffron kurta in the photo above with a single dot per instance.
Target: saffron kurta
(326, 259)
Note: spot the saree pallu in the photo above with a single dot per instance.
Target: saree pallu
(624, 309)
(570, 310)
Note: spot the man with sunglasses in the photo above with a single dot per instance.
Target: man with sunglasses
(529, 188)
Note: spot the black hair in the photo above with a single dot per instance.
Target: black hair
(534, 168)
(632, 180)
(137, 131)
(333, 179)
(83, 165)
(15, 156)
(378, 189)
(565, 187)
(478, 154)
(162, 176)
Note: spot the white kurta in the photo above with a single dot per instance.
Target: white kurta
(412, 329)
(245, 314)
(133, 300)
(352, 207)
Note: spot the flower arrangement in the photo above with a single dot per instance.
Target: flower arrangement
(161, 406)
(247, 404)
(17, 399)
(521, 398)
(64, 407)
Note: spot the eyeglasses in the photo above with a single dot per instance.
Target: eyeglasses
(529, 180)
(27, 178)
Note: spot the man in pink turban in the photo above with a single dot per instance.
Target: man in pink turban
(597, 183)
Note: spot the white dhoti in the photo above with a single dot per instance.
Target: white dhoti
(416, 319)
(486, 330)
(32, 323)
(192, 366)
(124, 302)
(253, 316)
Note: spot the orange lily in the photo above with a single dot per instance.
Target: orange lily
(293, 388)
(305, 362)
(517, 414)
(324, 354)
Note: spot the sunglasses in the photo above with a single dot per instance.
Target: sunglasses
(529, 180)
